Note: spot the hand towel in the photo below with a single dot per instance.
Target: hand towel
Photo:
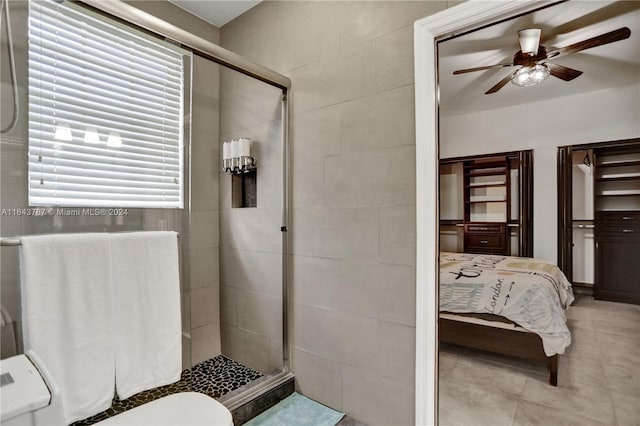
(146, 287)
(66, 316)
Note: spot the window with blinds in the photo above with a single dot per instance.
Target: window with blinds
(105, 112)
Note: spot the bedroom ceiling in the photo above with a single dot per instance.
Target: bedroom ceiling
(216, 12)
(614, 64)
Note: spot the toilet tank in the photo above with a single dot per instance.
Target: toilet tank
(28, 395)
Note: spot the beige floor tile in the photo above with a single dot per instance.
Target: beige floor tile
(622, 314)
(581, 317)
(463, 403)
(586, 400)
(582, 336)
(573, 372)
(619, 350)
(447, 361)
(623, 379)
(582, 301)
(484, 373)
(532, 414)
(627, 409)
(606, 306)
(619, 324)
(581, 352)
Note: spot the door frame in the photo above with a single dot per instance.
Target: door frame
(427, 32)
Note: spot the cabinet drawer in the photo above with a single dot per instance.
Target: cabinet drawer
(618, 230)
(619, 217)
(485, 241)
(485, 227)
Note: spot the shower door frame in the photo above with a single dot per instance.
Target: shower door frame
(229, 59)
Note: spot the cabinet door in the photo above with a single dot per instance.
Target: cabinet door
(618, 270)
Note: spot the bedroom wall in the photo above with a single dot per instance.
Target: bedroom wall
(352, 276)
(604, 115)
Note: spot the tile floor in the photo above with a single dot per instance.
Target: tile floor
(350, 421)
(598, 380)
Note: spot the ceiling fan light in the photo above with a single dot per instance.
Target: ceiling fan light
(529, 40)
(530, 76)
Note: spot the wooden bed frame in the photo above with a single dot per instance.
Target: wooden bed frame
(515, 342)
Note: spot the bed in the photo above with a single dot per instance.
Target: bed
(508, 305)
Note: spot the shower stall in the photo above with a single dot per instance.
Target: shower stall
(232, 226)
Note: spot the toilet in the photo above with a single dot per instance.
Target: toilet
(186, 408)
(30, 397)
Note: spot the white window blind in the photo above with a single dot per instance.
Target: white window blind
(105, 112)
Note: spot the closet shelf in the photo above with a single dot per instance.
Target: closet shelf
(485, 184)
(485, 201)
(480, 172)
(629, 193)
(620, 176)
(485, 165)
(619, 163)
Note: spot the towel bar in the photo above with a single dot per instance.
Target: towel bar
(5, 242)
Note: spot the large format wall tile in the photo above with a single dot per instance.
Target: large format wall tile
(397, 235)
(205, 342)
(337, 78)
(370, 178)
(381, 120)
(394, 59)
(366, 20)
(336, 232)
(376, 400)
(205, 306)
(320, 378)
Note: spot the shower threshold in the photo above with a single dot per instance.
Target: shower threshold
(249, 401)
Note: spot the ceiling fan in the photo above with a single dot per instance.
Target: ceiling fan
(532, 58)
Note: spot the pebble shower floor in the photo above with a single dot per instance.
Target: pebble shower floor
(214, 377)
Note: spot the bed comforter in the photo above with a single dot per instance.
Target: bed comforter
(533, 293)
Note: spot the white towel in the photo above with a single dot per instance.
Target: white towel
(146, 287)
(66, 316)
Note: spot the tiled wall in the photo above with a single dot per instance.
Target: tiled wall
(250, 238)
(352, 326)
(202, 320)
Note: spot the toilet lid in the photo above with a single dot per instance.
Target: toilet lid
(22, 388)
(186, 408)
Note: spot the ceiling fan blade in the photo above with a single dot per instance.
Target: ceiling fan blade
(610, 37)
(487, 67)
(562, 72)
(500, 84)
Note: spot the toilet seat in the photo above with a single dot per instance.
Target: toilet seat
(178, 409)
